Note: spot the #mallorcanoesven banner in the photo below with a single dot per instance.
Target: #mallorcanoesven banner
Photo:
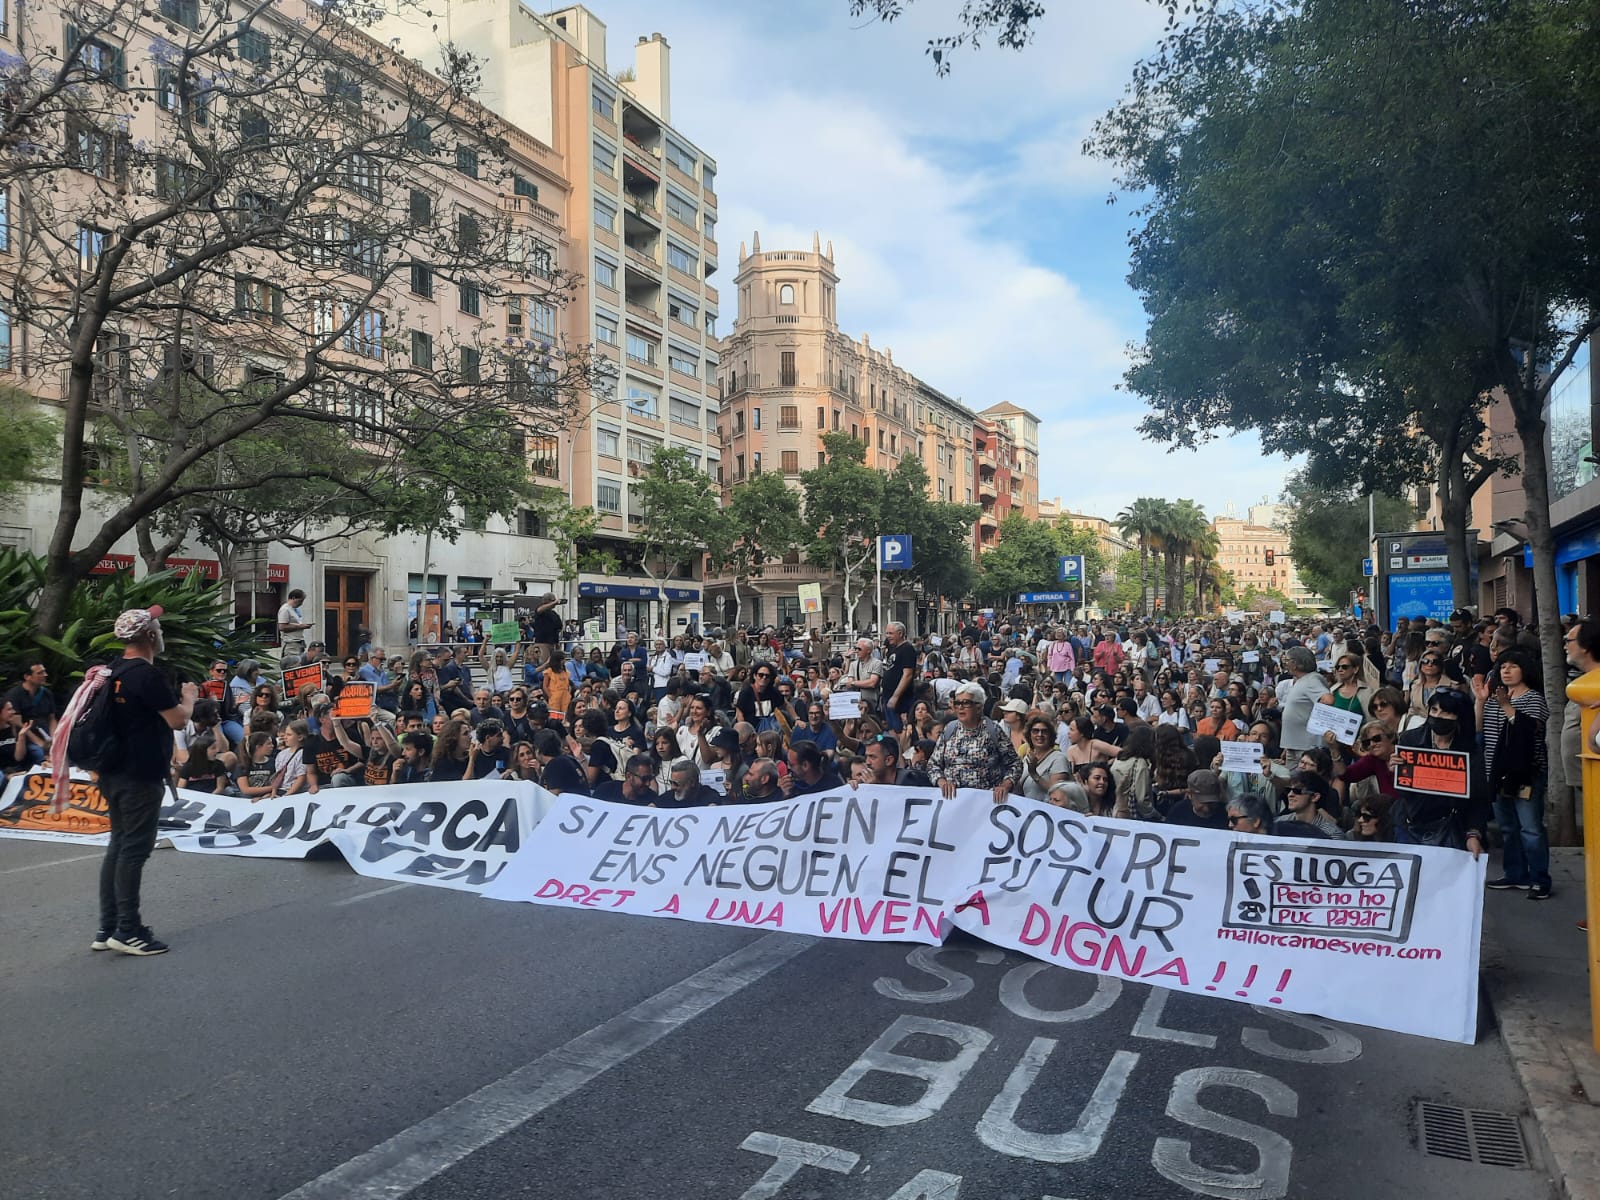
(1381, 935)
(1375, 933)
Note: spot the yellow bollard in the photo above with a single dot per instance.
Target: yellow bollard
(1585, 690)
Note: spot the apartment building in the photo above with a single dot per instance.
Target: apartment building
(586, 177)
(1243, 548)
(790, 375)
(251, 315)
(1022, 427)
(641, 227)
(1112, 544)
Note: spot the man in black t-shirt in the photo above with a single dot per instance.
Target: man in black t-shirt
(546, 626)
(144, 711)
(33, 700)
(898, 684)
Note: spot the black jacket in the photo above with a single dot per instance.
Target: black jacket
(1422, 809)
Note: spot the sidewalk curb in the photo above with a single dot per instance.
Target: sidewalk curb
(1568, 1117)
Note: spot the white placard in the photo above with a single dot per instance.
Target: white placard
(1250, 656)
(935, 640)
(715, 778)
(1277, 617)
(1325, 666)
(1210, 665)
(1242, 756)
(1326, 718)
(844, 706)
(694, 662)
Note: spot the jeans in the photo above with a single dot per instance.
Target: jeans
(1526, 857)
(893, 721)
(134, 805)
(234, 732)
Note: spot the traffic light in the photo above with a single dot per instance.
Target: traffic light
(1272, 556)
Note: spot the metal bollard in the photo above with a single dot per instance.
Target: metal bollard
(1585, 690)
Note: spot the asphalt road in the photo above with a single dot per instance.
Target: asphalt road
(317, 1034)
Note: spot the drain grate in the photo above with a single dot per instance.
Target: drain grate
(1472, 1135)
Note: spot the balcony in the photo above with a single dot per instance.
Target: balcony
(644, 312)
(645, 265)
(641, 158)
(986, 487)
(531, 208)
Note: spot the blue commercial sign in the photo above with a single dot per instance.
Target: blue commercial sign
(894, 552)
(1072, 597)
(1366, 567)
(625, 591)
(1069, 569)
(1420, 594)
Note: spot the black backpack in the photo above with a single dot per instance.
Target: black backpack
(92, 740)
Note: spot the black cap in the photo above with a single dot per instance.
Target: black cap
(540, 709)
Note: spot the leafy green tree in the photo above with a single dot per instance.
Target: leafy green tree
(843, 501)
(681, 516)
(1422, 175)
(1023, 559)
(32, 436)
(1009, 22)
(255, 245)
(572, 529)
(941, 533)
(1328, 533)
(763, 524)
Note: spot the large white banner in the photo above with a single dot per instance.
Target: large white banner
(865, 864)
(1379, 934)
(1384, 935)
(1376, 933)
(455, 835)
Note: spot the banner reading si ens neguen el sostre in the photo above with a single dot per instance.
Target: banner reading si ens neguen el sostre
(1384, 936)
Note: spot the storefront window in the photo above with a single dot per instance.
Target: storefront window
(1571, 429)
(634, 616)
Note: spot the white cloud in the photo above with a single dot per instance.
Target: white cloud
(934, 194)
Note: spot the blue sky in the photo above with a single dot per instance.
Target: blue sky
(970, 233)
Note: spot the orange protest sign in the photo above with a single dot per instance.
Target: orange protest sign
(354, 702)
(1438, 772)
(295, 678)
(214, 689)
(28, 808)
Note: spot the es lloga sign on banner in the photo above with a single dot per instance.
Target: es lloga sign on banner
(1385, 936)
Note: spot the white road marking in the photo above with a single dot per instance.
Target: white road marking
(55, 862)
(383, 891)
(435, 1144)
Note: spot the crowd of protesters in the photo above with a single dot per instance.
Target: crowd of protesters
(1117, 718)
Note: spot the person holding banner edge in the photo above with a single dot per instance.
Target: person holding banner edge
(973, 751)
(1422, 818)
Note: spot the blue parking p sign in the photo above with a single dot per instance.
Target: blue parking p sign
(894, 552)
(1069, 569)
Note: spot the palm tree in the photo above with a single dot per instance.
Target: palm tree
(1204, 553)
(1142, 521)
(1186, 525)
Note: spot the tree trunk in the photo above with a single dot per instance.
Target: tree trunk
(1144, 587)
(1527, 403)
(738, 603)
(1454, 505)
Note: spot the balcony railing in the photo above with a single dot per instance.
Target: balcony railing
(644, 312)
(643, 262)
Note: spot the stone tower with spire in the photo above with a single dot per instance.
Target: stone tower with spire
(786, 288)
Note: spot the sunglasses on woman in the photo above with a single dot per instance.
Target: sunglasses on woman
(1366, 816)
(1376, 739)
